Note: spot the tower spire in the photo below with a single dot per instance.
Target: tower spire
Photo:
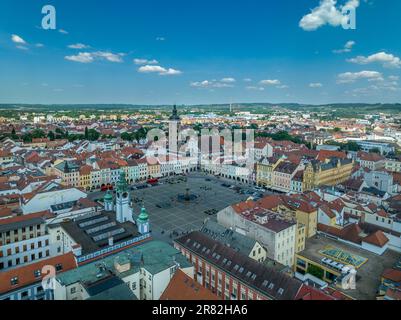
(174, 115)
(143, 221)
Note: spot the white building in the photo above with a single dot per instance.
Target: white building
(42, 201)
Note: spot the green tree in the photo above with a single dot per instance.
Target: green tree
(38, 134)
(51, 136)
(93, 135)
(127, 136)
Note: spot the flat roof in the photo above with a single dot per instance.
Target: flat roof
(88, 244)
(154, 256)
(368, 275)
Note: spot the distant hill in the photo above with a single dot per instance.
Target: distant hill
(356, 107)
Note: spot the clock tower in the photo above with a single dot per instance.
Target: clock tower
(123, 201)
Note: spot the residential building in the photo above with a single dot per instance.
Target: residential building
(184, 288)
(24, 239)
(232, 275)
(25, 282)
(235, 240)
(330, 173)
(145, 269)
(275, 231)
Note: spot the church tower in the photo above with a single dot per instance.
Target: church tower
(123, 201)
(174, 132)
(143, 222)
(108, 201)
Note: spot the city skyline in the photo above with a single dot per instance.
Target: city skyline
(158, 53)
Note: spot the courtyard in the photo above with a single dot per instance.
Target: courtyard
(170, 217)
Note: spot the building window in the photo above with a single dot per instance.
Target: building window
(14, 281)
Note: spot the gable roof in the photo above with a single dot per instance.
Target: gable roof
(26, 274)
(182, 287)
(265, 280)
(377, 239)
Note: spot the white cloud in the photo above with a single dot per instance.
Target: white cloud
(89, 57)
(78, 46)
(22, 47)
(315, 85)
(82, 57)
(387, 60)
(207, 84)
(270, 82)
(326, 13)
(145, 61)
(17, 39)
(39, 45)
(63, 31)
(159, 69)
(394, 78)
(228, 80)
(160, 39)
(112, 57)
(255, 88)
(351, 77)
(347, 47)
(248, 80)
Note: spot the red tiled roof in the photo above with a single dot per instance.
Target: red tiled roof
(392, 275)
(326, 154)
(371, 157)
(26, 274)
(350, 233)
(378, 239)
(310, 293)
(42, 214)
(394, 294)
(182, 287)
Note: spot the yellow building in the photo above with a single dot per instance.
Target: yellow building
(85, 181)
(154, 169)
(68, 171)
(300, 239)
(329, 173)
(303, 212)
(5, 157)
(264, 171)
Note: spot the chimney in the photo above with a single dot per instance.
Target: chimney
(111, 241)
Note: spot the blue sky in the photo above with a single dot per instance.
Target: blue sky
(190, 52)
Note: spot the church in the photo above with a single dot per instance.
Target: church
(122, 206)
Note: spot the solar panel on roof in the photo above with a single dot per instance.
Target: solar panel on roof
(88, 216)
(101, 228)
(108, 234)
(93, 222)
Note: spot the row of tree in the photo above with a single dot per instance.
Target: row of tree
(135, 136)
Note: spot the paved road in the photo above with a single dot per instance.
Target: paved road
(170, 217)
